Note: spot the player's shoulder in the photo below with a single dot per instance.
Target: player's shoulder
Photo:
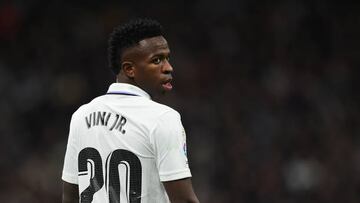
(161, 109)
(79, 112)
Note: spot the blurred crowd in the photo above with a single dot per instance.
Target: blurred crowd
(267, 93)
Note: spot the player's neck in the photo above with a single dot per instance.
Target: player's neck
(120, 78)
(123, 79)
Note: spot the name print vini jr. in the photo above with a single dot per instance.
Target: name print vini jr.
(103, 118)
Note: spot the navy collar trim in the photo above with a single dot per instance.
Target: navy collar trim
(123, 93)
(126, 89)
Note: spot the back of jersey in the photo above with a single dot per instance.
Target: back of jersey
(119, 150)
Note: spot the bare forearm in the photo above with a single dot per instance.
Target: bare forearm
(69, 200)
(70, 193)
(181, 191)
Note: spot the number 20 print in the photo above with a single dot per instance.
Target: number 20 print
(90, 156)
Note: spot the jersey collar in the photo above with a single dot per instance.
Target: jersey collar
(127, 89)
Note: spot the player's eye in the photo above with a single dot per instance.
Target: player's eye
(156, 60)
(168, 58)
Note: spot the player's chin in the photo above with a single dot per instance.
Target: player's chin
(159, 92)
(164, 91)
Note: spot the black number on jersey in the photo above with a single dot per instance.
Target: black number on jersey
(133, 167)
(90, 156)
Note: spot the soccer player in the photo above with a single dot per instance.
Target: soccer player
(123, 146)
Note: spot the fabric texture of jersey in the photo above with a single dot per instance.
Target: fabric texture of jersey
(122, 145)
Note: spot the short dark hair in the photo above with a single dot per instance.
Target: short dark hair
(128, 35)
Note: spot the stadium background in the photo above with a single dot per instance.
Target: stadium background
(267, 93)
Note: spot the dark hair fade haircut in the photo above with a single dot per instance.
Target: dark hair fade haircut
(128, 35)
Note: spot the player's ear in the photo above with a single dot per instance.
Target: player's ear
(128, 69)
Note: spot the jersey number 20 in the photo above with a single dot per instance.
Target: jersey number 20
(117, 157)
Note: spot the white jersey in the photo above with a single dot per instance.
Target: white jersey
(122, 145)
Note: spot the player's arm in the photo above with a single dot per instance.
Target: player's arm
(69, 177)
(70, 193)
(180, 191)
(169, 141)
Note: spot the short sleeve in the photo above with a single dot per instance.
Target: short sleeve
(169, 142)
(70, 169)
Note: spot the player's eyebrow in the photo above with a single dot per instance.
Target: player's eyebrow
(161, 53)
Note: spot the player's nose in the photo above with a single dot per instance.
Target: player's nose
(167, 68)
